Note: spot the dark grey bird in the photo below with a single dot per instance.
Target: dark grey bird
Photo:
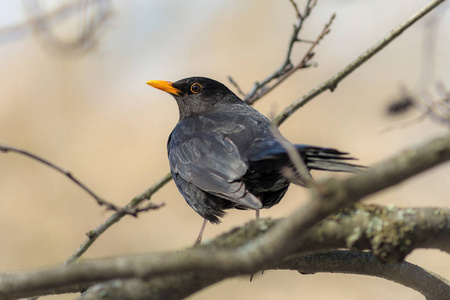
(225, 154)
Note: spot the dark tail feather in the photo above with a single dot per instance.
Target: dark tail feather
(273, 156)
(327, 159)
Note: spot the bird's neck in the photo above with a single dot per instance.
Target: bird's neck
(201, 107)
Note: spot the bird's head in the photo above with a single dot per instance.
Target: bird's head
(195, 95)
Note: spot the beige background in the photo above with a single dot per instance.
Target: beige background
(94, 115)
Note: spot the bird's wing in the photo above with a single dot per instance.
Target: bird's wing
(211, 162)
(206, 205)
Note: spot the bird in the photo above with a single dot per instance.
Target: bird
(225, 154)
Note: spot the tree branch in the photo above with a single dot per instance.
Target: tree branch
(92, 21)
(134, 203)
(100, 201)
(284, 239)
(390, 232)
(332, 83)
(110, 206)
(432, 286)
(287, 68)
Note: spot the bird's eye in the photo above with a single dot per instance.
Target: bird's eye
(196, 88)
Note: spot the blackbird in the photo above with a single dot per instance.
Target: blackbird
(225, 154)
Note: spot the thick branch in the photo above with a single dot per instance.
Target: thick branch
(389, 232)
(359, 228)
(277, 243)
(432, 286)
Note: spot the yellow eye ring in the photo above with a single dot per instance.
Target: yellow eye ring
(196, 88)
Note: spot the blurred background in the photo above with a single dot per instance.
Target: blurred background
(72, 90)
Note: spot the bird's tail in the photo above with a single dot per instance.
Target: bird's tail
(327, 159)
(315, 158)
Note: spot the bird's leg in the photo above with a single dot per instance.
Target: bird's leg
(257, 218)
(257, 210)
(202, 229)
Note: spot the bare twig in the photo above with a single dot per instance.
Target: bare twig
(332, 83)
(299, 15)
(58, 14)
(428, 52)
(405, 124)
(288, 68)
(303, 174)
(99, 200)
(68, 174)
(436, 110)
(231, 80)
(135, 202)
(42, 22)
(55, 15)
(305, 62)
(419, 96)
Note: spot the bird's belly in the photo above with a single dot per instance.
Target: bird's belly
(268, 187)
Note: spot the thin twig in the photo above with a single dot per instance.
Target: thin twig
(68, 174)
(303, 174)
(304, 63)
(299, 15)
(404, 124)
(99, 200)
(39, 21)
(231, 80)
(287, 68)
(332, 83)
(132, 205)
(57, 15)
(54, 15)
(436, 110)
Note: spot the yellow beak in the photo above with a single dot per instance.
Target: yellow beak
(165, 86)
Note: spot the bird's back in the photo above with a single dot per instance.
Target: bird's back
(239, 122)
